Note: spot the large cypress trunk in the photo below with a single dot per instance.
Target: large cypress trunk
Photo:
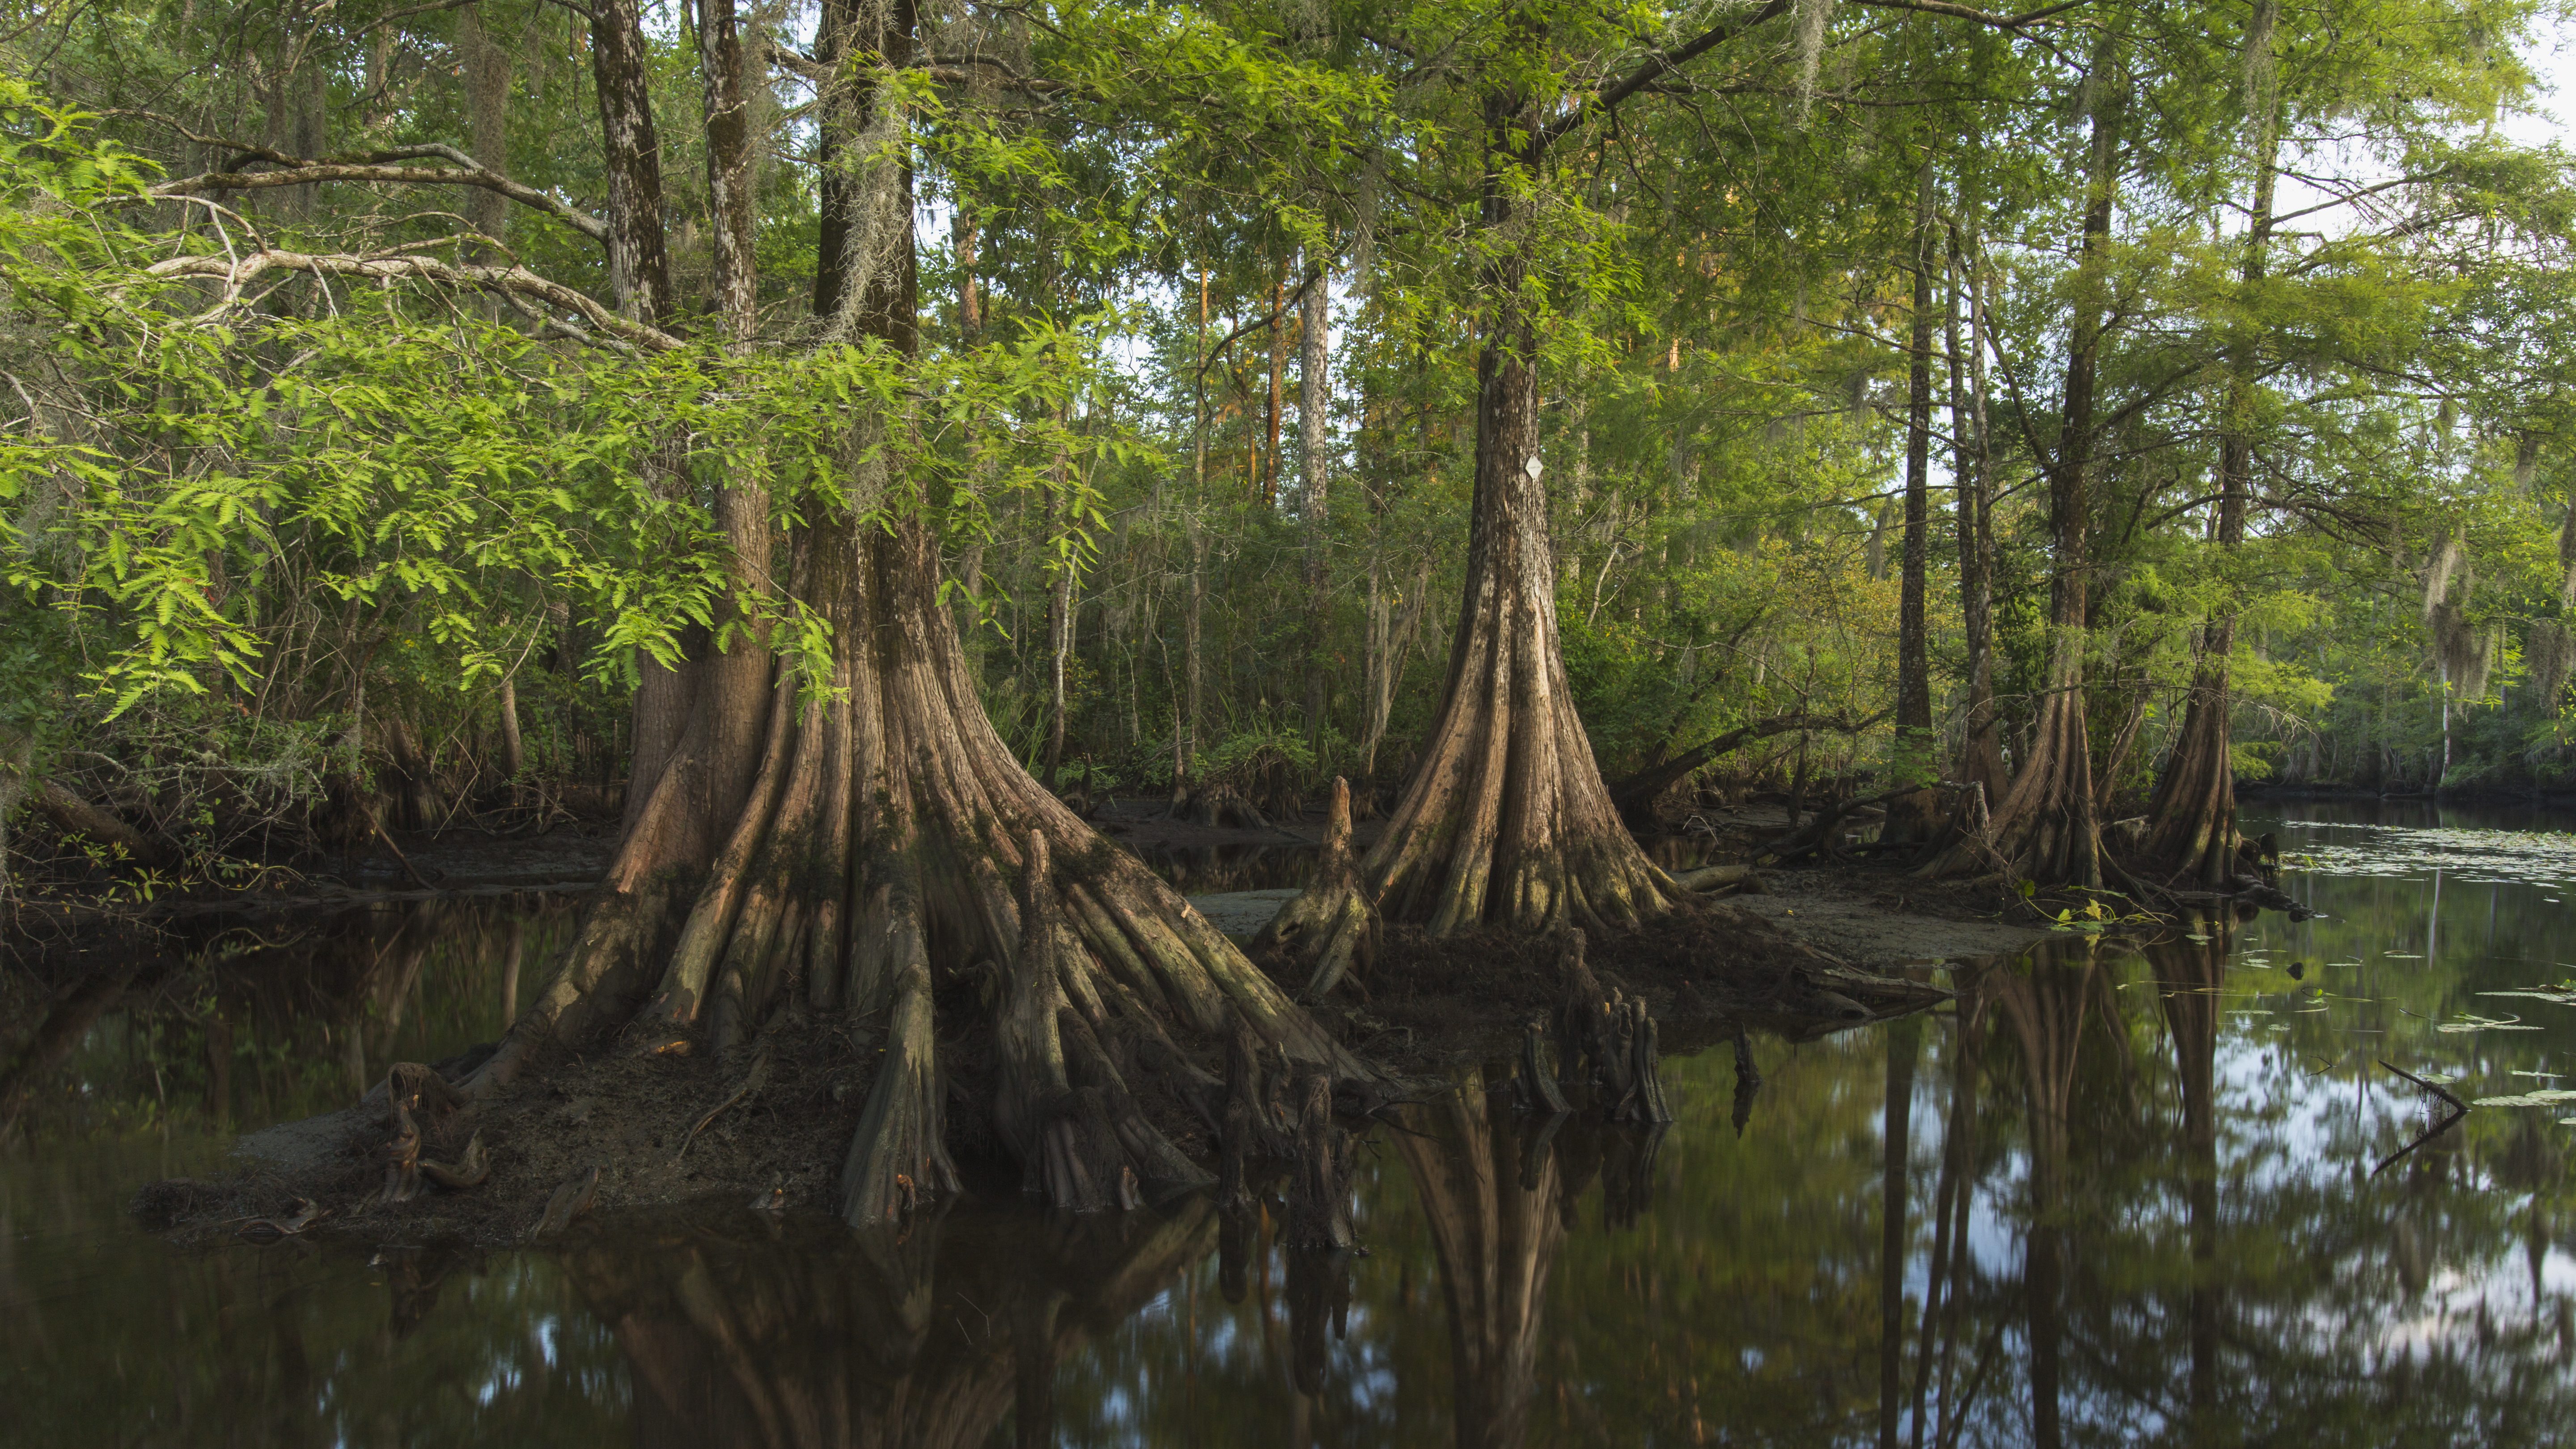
(2046, 827)
(872, 842)
(1506, 821)
(2192, 822)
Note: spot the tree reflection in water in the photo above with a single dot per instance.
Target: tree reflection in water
(2116, 1192)
(740, 1330)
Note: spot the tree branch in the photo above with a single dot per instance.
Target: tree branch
(236, 274)
(378, 167)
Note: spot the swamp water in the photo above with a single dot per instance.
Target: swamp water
(2130, 1199)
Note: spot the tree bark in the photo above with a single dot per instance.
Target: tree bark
(1911, 819)
(886, 839)
(2045, 827)
(1313, 394)
(1971, 467)
(2192, 820)
(639, 268)
(1507, 822)
(487, 111)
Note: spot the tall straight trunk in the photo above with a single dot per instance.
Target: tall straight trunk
(1910, 818)
(639, 268)
(2045, 828)
(832, 138)
(1059, 616)
(1507, 822)
(487, 118)
(2192, 820)
(1193, 646)
(1195, 609)
(1278, 381)
(1381, 664)
(1971, 467)
(889, 832)
(1913, 657)
(1313, 392)
(725, 90)
(639, 277)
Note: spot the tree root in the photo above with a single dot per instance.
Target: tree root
(413, 1094)
(1607, 1039)
(752, 1081)
(897, 1159)
(1534, 1088)
(1061, 1101)
(471, 1168)
(1331, 924)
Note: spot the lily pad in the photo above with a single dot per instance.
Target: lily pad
(2550, 1097)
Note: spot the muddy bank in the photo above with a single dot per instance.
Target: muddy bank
(1886, 921)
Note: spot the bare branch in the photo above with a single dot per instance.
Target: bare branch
(510, 281)
(378, 168)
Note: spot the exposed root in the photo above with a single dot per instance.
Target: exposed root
(471, 1168)
(305, 1214)
(420, 1109)
(1062, 1104)
(898, 1160)
(752, 1081)
(1607, 1039)
(1331, 925)
(1534, 1087)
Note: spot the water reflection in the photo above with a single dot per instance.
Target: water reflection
(261, 1021)
(2115, 1192)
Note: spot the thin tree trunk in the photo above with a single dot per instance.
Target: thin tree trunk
(1911, 817)
(1059, 576)
(1313, 392)
(514, 759)
(1278, 381)
(1981, 753)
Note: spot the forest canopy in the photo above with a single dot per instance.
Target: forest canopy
(2101, 403)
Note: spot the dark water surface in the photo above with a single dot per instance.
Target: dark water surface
(2122, 1194)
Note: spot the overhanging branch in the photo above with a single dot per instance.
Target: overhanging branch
(235, 274)
(382, 167)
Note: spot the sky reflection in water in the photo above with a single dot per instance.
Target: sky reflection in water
(2132, 1202)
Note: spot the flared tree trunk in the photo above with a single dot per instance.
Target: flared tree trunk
(2045, 828)
(885, 841)
(2192, 822)
(1506, 821)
